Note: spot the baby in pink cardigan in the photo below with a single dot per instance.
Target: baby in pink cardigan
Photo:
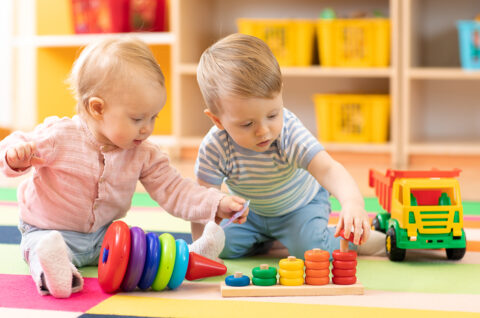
(86, 168)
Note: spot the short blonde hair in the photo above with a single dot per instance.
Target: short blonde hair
(102, 64)
(238, 65)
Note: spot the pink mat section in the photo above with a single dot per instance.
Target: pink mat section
(19, 291)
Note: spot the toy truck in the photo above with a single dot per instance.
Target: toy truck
(422, 210)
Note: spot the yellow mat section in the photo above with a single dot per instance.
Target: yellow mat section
(163, 307)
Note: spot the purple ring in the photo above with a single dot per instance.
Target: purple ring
(138, 252)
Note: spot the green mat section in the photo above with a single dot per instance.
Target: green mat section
(144, 200)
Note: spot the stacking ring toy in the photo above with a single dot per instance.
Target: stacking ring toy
(344, 256)
(268, 272)
(317, 272)
(344, 280)
(114, 256)
(344, 264)
(151, 262)
(181, 264)
(317, 265)
(137, 259)
(290, 273)
(317, 255)
(129, 258)
(291, 281)
(237, 280)
(264, 281)
(167, 261)
(317, 280)
(344, 272)
(291, 263)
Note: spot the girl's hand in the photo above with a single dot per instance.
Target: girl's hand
(354, 220)
(22, 156)
(228, 206)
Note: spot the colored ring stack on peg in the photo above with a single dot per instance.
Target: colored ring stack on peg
(344, 267)
(129, 258)
(291, 271)
(237, 280)
(264, 275)
(317, 267)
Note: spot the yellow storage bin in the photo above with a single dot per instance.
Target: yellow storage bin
(352, 118)
(354, 42)
(291, 40)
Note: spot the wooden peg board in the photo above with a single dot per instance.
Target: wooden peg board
(281, 290)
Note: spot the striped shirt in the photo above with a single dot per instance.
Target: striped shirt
(81, 187)
(275, 181)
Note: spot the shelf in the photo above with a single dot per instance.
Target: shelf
(314, 71)
(76, 40)
(443, 73)
(443, 148)
(358, 147)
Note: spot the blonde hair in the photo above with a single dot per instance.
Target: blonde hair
(102, 64)
(238, 65)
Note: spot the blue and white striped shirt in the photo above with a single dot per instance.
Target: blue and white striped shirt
(275, 181)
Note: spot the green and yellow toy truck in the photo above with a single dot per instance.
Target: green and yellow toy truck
(422, 210)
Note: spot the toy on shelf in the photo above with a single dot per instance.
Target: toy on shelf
(422, 210)
(129, 258)
(291, 272)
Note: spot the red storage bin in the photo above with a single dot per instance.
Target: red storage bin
(116, 16)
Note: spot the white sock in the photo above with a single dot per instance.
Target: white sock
(374, 246)
(58, 272)
(211, 243)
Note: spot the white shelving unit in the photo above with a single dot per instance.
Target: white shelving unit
(439, 99)
(198, 24)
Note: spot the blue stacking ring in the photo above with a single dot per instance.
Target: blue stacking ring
(237, 281)
(181, 264)
(151, 263)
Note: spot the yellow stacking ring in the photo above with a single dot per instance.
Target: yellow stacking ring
(291, 263)
(291, 281)
(290, 273)
(167, 261)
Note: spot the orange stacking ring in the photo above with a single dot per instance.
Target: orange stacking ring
(317, 255)
(317, 272)
(317, 280)
(317, 265)
(344, 256)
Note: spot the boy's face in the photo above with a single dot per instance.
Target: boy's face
(253, 123)
(130, 112)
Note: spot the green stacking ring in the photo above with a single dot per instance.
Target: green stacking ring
(270, 272)
(264, 281)
(167, 261)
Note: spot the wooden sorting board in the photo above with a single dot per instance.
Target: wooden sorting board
(281, 290)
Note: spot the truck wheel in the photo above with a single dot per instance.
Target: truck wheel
(455, 253)
(394, 253)
(376, 224)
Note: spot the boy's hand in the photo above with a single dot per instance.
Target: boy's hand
(228, 206)
(354, 220)
(22, 156)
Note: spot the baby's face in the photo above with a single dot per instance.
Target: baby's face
(131, 110)
(254, 123)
